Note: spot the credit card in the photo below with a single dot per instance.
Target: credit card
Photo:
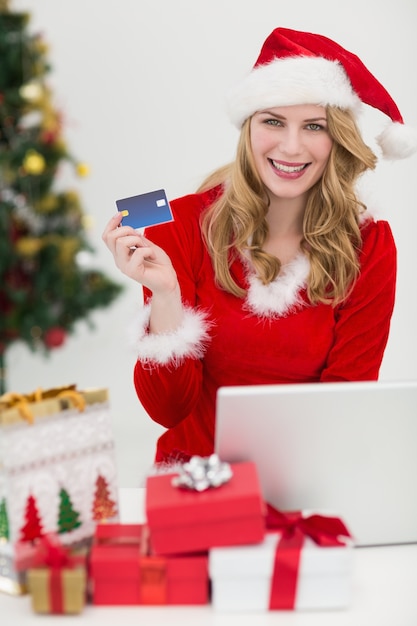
(146, 209)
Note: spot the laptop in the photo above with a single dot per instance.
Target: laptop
(347, 449)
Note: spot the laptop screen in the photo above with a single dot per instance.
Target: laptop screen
(346, 449)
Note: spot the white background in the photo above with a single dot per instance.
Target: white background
(141, 85)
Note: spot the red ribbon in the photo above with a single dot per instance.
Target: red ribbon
(152, 569)
(323, 530)
(55, 591)
(153, 583)
(152, 572)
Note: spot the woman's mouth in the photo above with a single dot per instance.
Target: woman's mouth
(288, 169)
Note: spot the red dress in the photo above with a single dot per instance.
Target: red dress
(274, 335)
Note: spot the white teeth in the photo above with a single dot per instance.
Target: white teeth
(287, 168)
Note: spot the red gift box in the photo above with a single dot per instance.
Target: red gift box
(124, 572)
(185, 520)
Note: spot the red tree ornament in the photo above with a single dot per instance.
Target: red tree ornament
(54, 337)
(32, 529)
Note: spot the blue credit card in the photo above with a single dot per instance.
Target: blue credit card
(146, 209)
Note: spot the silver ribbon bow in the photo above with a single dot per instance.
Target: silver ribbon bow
(201, 473)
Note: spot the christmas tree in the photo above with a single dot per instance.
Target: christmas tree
(32, 529)
(46, 284)
(4, 522)
(103, 506)
(68, 518)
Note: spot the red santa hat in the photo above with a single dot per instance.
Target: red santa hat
(295, 67)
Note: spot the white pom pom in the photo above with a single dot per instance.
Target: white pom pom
(398, 141)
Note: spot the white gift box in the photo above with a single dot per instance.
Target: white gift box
(241, 576)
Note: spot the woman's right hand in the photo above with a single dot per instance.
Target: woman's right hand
(138, 258)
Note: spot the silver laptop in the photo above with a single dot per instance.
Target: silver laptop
(348, 449)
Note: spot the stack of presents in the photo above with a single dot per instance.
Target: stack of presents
(209, 538)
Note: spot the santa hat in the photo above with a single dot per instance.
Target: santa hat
(294, 67)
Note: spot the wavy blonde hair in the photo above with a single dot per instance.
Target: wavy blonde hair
(331, 233)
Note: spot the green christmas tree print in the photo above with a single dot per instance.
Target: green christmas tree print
(68, 517)
(4, 522)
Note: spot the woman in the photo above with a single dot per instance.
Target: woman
(273, 272)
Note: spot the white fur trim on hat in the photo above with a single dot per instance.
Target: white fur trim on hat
(397, 141)
(282, 296)
(290, 81)
(187, 341)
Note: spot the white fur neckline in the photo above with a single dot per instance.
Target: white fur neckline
(282, 295)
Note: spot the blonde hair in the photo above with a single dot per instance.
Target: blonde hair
(235, 223)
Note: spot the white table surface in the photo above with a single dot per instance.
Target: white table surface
(384, 594)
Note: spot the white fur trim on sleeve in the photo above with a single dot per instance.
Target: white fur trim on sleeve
(187, 341)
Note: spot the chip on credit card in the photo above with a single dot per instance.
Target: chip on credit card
(146, 209)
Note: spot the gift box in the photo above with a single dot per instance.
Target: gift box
(288, 570)
(186, 520)
(57, 465)
(57, 591)
(11, 581)
(58, 585)
(25, 555)
(125, 572)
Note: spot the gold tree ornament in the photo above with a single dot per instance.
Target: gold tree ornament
(28, 246)
(32, 92)
(40, 45)
(34, 163)
(82, 169)
(67, 250)
(47, 204)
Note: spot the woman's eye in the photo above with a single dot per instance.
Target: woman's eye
(273, 122)
(315, 126)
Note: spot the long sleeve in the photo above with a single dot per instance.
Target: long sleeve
(363, 322)
(168, 373)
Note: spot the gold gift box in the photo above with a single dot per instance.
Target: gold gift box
(16, 407)
(71, 591)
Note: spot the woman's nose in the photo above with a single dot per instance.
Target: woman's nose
(290, 141)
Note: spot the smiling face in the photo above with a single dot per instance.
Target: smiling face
(291, 146)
